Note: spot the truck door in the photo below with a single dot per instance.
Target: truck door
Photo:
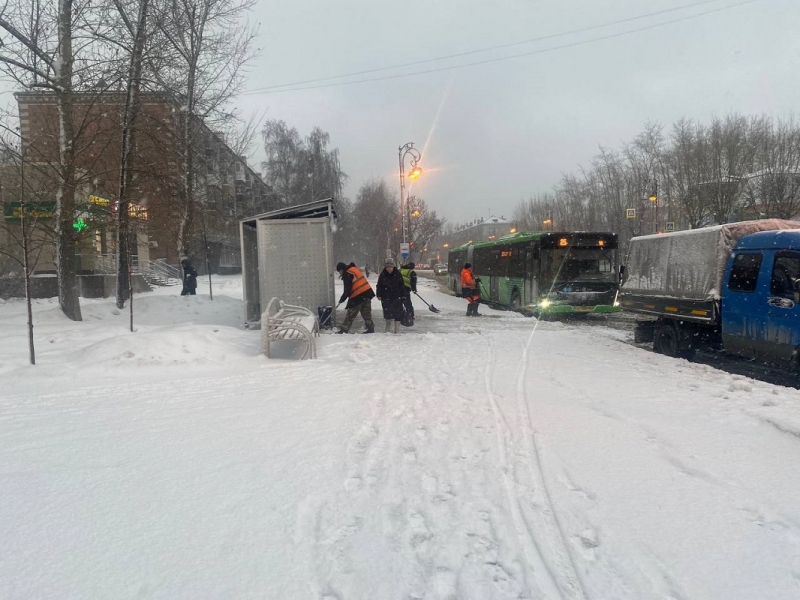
(743, 317)
(782, 307)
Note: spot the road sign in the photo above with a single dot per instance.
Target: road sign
(670, 226)
(404, 250)
(630, 213)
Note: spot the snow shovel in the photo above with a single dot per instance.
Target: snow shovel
(431, 307)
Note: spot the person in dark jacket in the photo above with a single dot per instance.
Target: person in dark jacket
(410, 283)
(358, 294)
(189, 278)
(391, 292)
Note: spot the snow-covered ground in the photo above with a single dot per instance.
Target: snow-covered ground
(464, 458)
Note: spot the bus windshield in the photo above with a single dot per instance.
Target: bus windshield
(566, 264)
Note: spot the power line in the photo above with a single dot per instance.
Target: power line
(278, 88)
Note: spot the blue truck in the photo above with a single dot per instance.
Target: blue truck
(733, 287)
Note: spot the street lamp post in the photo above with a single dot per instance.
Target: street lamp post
(654, 199)
(415, 172)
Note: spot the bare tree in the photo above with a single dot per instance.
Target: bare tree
(377, 214)
(773, 189)
(131, 37)
(301, 170)
(26, 234)
(38, 53)
(209, 44)
(686, 161)
(424, 225)
(731, 159)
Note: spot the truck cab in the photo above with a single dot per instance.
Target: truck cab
(760, 303)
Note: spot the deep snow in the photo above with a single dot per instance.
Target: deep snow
(464, 458)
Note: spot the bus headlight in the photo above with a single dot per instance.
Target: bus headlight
(545, 303)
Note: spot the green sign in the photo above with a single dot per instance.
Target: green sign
(12, 211)
(80, 225)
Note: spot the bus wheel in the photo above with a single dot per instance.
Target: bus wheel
(516, 302)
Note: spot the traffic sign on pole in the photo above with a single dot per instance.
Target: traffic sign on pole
(404, 250)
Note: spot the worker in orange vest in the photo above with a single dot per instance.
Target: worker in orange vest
(358, 294)
(469, 290)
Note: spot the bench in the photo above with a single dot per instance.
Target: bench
(284, 322)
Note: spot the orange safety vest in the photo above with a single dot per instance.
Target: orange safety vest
(467, 280)
(360, 283)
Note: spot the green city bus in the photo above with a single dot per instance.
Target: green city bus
(543, 273)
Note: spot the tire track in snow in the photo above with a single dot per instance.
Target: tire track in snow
(572, 580)
(555, 584)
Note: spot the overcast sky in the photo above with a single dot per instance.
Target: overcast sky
(497, 133)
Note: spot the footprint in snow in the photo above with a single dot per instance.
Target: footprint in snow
(587, 541)
(359, 357)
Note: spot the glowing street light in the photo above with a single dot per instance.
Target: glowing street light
(415, 173)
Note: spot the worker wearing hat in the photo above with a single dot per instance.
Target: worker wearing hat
(358, 294)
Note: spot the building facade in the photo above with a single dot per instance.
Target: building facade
(479, 230)
(226, 188)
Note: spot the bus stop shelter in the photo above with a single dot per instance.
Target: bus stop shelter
(288, 254)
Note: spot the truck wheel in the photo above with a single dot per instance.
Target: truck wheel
(516, 303)
(666, 341)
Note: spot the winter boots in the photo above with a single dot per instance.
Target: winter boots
(472, 310)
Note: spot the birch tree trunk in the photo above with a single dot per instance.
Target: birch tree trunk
(128, 153)
(68, 296)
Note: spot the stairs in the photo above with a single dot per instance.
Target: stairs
(158, 272)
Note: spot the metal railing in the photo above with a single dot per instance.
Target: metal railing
(156, 272)
(161, 273)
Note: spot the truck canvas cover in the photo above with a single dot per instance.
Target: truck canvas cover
(687, 265)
